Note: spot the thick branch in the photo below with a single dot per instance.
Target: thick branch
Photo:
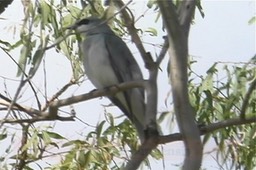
(177, 26)
(142, 153)
(151, 92)
(185, 12)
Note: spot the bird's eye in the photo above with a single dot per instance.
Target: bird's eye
(83, 22)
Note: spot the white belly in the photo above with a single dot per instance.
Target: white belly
(97, 65)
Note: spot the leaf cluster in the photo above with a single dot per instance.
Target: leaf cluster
(216, 99)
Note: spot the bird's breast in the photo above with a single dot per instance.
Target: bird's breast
(97, 63)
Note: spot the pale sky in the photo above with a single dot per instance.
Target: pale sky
(223, 35)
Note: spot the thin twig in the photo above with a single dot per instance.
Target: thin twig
(144, 150)
(56, 95)
(163, 51)
(24, 73)
(37, 119)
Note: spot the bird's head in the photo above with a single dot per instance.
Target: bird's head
(91, 25)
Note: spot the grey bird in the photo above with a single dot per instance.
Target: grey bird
(108, 61)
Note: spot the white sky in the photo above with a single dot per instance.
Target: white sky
(223, 35)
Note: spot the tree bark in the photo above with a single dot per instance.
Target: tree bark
(177, 24)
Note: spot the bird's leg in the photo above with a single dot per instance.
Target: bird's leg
(150, 132)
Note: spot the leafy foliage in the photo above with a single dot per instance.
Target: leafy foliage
(110, 144)
(218, 99)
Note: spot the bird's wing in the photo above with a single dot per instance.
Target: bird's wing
(126, 69)
(122, 59)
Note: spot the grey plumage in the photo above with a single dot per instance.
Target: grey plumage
(108, 61)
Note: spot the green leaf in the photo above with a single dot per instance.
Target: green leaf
(74, 11)
(99, 128)
(27, 168)
(22, 61)
(3, 136)
(212, 69)
(207, 83)
(209, 99)
(152, 31)
(252, 20)
(200, 8)
(67, 20)
(157, 154)
(74, 142)
(46, 137)
(64, 2)
(54, 22)
(17, 44)
(206, 138)
(54, 135)
(151, 3)
(87, 158)
(33, 141)
(110, 119)
(83, 158)
(64, 48)
(38, 56)
(162, 116)
(45, 12)
(7, 44)
(54, 144)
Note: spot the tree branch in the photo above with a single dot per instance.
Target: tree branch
(112, 90)
(177, 26)
(209, 128)
(151, 93)
(38, 115)
(15, 106)
(37, 119)
(146, 148)
(56, 95)
(23, 156)
(186, 12)
(163, 51)
(23, 72)
(142, 153)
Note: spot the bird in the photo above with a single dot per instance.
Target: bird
(108, 61)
